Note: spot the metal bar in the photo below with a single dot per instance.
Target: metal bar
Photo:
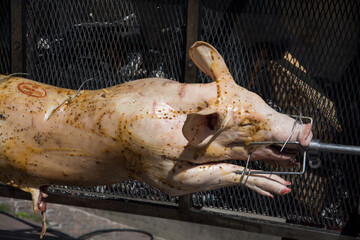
(235, 144)
(192, 29)
(17, 35)
(185, 202)
(279, 173)
(315, 147)
(208, 217)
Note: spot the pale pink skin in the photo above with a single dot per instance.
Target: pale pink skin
(170, 135)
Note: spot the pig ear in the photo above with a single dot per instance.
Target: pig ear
(209, 61)
(199, 128)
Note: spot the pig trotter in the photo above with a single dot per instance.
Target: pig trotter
(38, 200)
(42, 196)
(35, 196)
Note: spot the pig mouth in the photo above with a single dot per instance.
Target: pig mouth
(286, 157)
(273, 155)
(286, 154)
(288, 150)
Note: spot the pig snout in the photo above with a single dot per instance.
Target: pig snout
(305, 135)
(301, 134)
(284, 127)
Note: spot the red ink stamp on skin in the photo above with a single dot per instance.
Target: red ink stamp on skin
(32, 89)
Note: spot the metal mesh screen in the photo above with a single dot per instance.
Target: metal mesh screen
(304, 55)
(111, 42)
(5, 41)
(292, 53)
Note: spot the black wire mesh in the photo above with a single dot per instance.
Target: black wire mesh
(5, 41)
(296, 54)
(111, 42)
(292, 53)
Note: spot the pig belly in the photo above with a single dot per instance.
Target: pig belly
(59, 167)
(35, 158)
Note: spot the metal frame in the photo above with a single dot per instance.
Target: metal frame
(17, 35)
(192, 30)
(205, 216)
(183, 211)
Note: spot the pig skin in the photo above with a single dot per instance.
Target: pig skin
(170, 135)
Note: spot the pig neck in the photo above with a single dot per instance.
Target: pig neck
(152, 113)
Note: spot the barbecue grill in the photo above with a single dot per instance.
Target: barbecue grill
(303, 54)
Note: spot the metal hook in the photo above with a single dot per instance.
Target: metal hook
(279, 173)
(244, 171)
(293, 129)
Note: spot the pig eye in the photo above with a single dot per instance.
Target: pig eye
(246, 124)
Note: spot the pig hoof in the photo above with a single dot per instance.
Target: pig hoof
(42, 208)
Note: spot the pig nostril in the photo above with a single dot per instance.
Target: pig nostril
(306, 135)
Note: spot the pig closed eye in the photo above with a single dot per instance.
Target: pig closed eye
(246, 124)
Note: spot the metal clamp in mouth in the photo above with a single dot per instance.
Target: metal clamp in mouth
(304, 161)
(299, 118)
(315, 146)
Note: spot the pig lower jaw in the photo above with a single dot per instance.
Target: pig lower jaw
(273, 153)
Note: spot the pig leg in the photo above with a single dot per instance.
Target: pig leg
(35, 196)
(42, 208)
(188, 178)
(38, 200)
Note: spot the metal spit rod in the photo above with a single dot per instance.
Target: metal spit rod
(316, 146)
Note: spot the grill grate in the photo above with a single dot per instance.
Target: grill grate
(111, 42)
(5, 42)
(302, 54)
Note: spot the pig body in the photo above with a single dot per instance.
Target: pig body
(170, 135)
(130, 131)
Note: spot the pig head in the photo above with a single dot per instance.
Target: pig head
(204, 121)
